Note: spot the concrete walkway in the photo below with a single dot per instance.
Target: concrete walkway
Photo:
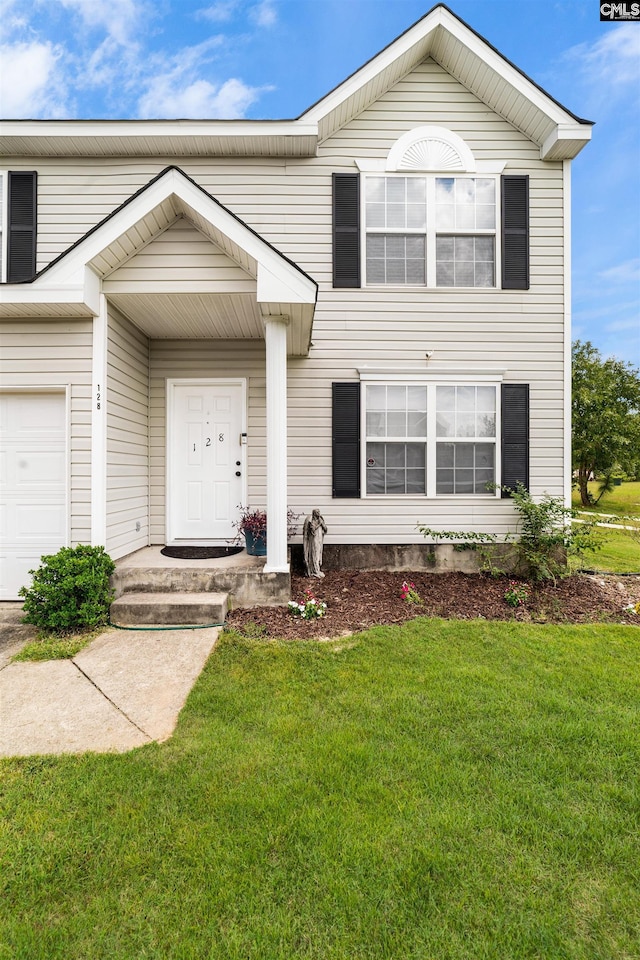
(124, 690)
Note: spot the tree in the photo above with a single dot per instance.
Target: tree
(606, 416)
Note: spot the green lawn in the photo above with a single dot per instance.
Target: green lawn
(619, 554)
(446, 790)
(622, 500)
(621, 551)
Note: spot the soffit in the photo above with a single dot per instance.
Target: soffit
(203, 316)
(197, 316)
(46, 310)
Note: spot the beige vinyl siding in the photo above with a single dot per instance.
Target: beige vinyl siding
(207, 359)
(181, 256)
(288, 201)
(127, 437)
(518, 333)
(57, 354)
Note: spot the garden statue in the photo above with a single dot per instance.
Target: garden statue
(313, 533)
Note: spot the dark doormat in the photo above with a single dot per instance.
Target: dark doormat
(200, 553)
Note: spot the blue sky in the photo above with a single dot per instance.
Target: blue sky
(274, 58)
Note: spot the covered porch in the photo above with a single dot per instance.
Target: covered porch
(194, 317)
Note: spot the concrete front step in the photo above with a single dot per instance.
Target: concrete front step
(169, 608)
(241, 576)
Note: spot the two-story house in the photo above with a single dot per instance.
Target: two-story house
(364, 310)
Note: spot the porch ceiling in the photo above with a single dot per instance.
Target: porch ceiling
(219, 316)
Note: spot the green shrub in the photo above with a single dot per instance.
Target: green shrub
(545, 538)
(70, 591)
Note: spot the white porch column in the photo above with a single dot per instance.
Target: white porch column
(99, 428)
(276, 371)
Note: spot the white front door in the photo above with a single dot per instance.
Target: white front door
(33, 484)
(206, 458)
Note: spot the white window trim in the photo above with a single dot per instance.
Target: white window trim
(429, 233)
(431, 382)
(4, 223)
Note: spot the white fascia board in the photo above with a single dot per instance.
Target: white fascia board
(282, 285)
(30, 293)
(150, 129)
(579, 133)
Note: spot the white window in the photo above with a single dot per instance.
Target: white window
(396, 438)
(431, 439)
(430, 230)
(465, 466)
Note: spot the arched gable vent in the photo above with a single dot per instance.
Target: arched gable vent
(431, 149)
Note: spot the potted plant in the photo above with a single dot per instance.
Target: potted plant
(253, 524)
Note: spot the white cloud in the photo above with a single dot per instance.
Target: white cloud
(176, 87)
(120, 19)
(30, 82)
(199, 99)
(619, 326)
(612, 61)
(218, 12)
(627, 272)
(263, 14)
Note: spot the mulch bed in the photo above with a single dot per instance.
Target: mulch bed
(357, 600)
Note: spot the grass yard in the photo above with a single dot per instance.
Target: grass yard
(445, 789)
(621, 501)
(620, 552)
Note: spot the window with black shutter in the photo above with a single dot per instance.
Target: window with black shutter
(515, 436)
(22, 226)
(455, 453)
(515, 233)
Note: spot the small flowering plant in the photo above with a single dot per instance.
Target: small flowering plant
(310, 609)
(516, 594)
(632, 607)
(409, 593)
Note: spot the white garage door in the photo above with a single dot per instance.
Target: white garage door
(33, 484)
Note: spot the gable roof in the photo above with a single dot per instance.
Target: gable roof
(70, 285)
(440, 34)
(476, 64)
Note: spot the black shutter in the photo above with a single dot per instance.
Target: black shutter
(346, 230)
(21, 240)
(346, 439)
(515, 233)
(515, 436)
